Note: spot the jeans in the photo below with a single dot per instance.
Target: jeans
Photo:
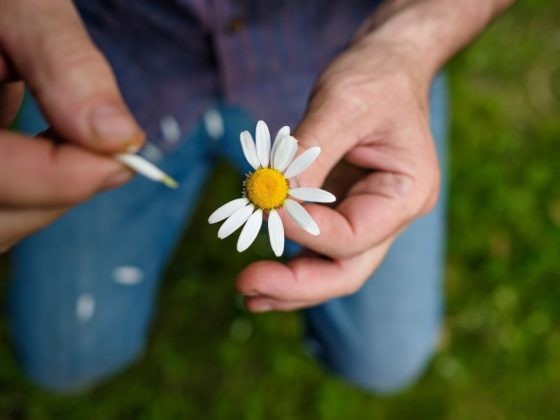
(82, 290)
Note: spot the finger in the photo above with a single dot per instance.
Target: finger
(403, 184)
(7, 72)
(377, 207)
(264, 304)
(36, 172)
(310, 279)
(16, 224)
(74, 85)
(11, 95)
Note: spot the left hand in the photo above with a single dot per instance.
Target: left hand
(369, 115)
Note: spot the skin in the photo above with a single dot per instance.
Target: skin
(40, 179)
(369, 114)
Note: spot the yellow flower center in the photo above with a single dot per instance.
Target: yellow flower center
(266, 188)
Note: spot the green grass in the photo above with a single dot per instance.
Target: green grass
(500, 359)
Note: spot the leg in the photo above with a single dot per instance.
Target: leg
(82, 292)
(382, 337)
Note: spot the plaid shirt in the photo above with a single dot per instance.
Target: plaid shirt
(177, 57)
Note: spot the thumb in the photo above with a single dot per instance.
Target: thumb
(323, 128)
(50, 49)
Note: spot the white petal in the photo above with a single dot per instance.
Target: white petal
(276, 233)
(227, 210)
(263, 143)
(284, 154)
(302, 162)
(250, 231)
(235, 221)
(283, 132)
(249, 150)
(314, 195)
(301, 217)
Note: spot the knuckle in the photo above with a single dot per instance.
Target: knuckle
(77, 54)
(350, 288)
(72, 191)
(432, 192)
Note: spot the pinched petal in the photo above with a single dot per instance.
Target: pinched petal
(314, 195)
(227, 210)
(276, 233)
(249, 150)
(235, 221)
(302, 162)
(301, 217)
(250, 231)
(284, 153)
(263, 143)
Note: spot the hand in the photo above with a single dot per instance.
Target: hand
(45, 45)
(369, 114)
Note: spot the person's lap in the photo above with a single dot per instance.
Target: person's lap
(82, 290)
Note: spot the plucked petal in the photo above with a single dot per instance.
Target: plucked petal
(284, 153)
(235, 221)
(249, 150)
(276, 233)
(227, 210)
(302, 162)
(301, 217)
(250, 231)
(263, 143)
(314, 195)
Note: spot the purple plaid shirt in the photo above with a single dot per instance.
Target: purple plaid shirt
(177, 57)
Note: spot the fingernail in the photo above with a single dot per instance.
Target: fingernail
(118, 179)
(261, 307)
(114, 125)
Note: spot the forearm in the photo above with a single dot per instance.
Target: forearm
(427, 33)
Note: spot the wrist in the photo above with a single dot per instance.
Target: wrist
(426, 34)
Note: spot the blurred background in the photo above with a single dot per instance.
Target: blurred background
(500, 356)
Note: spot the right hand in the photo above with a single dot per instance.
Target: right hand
(45, 45)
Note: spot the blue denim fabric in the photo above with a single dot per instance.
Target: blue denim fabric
(73, 324)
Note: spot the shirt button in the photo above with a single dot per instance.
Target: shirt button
(235, 25)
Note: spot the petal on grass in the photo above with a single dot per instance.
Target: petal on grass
(227, 210)
(276, 233)
(249, 150)
(235, 221)
(313, 195)
(301, 217)
(302, 162)
(263, 143)
(284, 153)
(283, 132)
(250, 231)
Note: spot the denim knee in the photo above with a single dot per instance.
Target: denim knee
(382, 367)
(75, 369)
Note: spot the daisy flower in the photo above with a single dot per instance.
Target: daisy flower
(269, 188)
